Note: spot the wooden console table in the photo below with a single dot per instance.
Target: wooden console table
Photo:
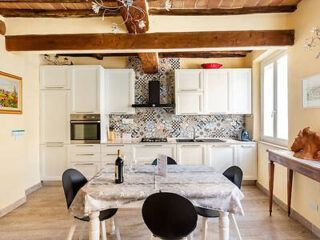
(285, 158)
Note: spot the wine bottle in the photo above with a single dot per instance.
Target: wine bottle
(119, 169)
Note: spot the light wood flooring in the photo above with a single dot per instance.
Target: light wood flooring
(45, 217)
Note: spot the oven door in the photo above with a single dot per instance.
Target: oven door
(85, 131)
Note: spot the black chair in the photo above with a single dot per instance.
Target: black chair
(170, 161)
(169, 216)
(234, 174)
(73, 181)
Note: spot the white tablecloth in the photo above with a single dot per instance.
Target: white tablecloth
(202, 185)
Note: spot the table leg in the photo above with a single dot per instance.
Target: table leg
(289, 188)
(224, 226)
(271, 180)
(94, 229)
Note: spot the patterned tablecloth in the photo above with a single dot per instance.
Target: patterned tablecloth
(202, 185)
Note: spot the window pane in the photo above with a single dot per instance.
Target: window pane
(282, 97)
(268, 100)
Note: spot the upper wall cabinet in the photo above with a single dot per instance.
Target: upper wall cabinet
(216, 91)
(189, 80)
(224, 91)
(86, 89)
(119, 91)
(55, 77)
(240, 91)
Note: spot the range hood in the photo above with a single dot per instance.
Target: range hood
(154, 97)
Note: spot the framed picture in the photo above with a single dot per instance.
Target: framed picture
(311, 92)
(10, 93)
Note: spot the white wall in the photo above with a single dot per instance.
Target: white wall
(19, 160)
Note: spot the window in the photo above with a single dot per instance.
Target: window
(274, 98)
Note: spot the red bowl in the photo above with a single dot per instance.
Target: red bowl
(211, 65)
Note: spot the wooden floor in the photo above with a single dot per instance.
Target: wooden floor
(44, 216)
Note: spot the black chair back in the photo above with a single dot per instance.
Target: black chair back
(234, 174)
(169, 216)
(170, 161)
(72, 181)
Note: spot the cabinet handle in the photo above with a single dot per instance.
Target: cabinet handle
(111, 154)
(53, 87)
(85, 164)
(85, 154)
(119, 145)
(84, 145)
(153, 145)
(189, 90)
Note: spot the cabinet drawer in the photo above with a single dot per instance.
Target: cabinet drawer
(84, 157)
(88, 169)
(113, 149)
(85, 148)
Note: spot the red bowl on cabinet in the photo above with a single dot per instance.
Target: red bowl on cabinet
(211, 65)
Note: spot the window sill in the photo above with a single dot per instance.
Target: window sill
(273, 145)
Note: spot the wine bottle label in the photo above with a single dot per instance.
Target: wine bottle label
(116, 172)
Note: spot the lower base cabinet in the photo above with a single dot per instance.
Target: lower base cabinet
(247, 160)
(221, 157)
(146, 153)
(54, 159)
(191, 154)
(88, 169)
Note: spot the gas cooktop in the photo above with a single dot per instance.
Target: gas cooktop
(154, 140)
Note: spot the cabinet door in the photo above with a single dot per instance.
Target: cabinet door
(55, 77)
(88, 169)
(191, 154)
(188, 80)
(216, 91)
(189, 103)
(86, 89)
(247, 161)
(240, 91)
(120, 91)
(221, 157)
(145, 154)
(55, 116)
(53, 161)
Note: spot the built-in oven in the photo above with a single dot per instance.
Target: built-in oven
(85, 128)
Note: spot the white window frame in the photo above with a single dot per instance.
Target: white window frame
(272, 59)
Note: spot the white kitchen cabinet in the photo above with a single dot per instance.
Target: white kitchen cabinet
(119, 91)
(54, 160)
(187, 80)
(88, 169)
(216, 91)
(189, 103)
(146, 153)
(109, 153)
(221, 156)
(240, 91)
(191, 153)
(86, 89)
(247, 160)
(55, 116)
(55, 77)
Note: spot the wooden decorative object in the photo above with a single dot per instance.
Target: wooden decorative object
(307, 145)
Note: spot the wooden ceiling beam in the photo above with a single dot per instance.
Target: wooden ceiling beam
(195, 54)
(6, 12)
(165, 40)
(2, 28)
(149, 62)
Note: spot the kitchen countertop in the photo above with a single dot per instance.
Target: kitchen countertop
(173, 141)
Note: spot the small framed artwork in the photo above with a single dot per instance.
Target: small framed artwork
(311, 92)
(10, 93)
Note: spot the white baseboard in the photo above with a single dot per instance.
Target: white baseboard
(294, 214)
(12, 206)
(33, 188)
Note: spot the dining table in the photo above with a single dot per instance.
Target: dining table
(202, 185)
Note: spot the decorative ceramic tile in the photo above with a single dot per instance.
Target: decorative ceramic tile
(159, 122)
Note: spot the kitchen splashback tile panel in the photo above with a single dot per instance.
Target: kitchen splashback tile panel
(160, 122)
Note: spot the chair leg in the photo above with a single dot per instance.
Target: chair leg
(235, 224)
(103, 230)
(84, 226)
(71, 230)
(204, 228)
(111, 226)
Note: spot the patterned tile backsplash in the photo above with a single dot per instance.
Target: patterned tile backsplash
(159, 122)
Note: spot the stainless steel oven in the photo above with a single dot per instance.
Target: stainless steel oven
(85, 128)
